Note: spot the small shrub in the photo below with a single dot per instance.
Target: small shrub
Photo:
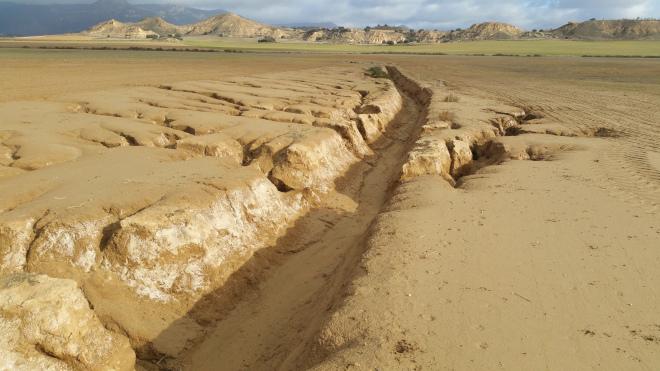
(267, 39)
(447, 116)
(376, 72)
(606, 133)
(452, 98)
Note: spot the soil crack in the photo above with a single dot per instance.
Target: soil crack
(314, 260)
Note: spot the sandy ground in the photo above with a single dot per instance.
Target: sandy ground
(526, 265)
(39, 74)
(522, 265)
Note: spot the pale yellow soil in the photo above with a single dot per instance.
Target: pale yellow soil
(152, 197)
(30, 73)
(526, 265)
(368, 239)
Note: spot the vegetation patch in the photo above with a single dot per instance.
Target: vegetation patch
(267, 39)
(452, 98)
(447, 116)
(376, 72)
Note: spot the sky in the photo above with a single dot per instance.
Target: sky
(440, 14)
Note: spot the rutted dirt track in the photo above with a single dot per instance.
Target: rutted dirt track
(325, 219)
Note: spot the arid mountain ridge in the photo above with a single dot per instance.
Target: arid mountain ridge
(48, 19)
(233, 25)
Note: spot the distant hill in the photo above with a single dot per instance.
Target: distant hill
(622, 29)
(233, 25)
(343, 35)
(114, 18)
(486, 31)
(400, 34)
(227, 24)
(116, 29)
(308, 25)
(159, 26)
(26, 19)
(230, 24)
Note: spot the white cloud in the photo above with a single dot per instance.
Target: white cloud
(442, 14)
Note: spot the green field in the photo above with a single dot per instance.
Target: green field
(521, 48)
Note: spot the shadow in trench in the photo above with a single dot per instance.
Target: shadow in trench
(279, 299)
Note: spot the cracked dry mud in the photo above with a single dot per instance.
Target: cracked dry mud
(287, 221)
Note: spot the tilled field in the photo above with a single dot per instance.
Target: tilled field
(327, 219)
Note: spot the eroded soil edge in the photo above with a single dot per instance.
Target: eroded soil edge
(309, 265)
(151, 198)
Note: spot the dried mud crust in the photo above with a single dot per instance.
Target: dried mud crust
(150, 197)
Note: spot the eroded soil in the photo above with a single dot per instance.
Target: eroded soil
(325, 219)
(319, 252)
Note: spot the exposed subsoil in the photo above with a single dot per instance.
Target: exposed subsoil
(307, 269)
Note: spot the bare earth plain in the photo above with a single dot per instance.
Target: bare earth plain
(220, 211)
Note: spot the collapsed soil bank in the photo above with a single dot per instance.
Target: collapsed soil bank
(452, 138)
(180, 185)
(279, 143)
(503, 271)
(278, 152)
(273, 320)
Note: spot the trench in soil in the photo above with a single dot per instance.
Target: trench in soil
(268, 310)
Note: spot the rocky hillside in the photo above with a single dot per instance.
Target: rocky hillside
(622, 29)
(17, 18)
(343, 35)
(430, 36)
(481, 31)
(119, 30)
(228, 24)
(233, 25)
(159, 26)
(486, 31)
